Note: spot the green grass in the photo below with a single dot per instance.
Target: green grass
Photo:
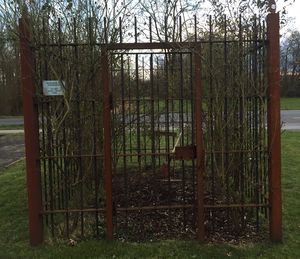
(10, 116)
(14, 232)
(11, 127)
(290, 103)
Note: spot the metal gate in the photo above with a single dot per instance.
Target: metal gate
(156, 139)
(155, 120)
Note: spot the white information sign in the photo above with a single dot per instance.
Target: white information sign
(53, 87)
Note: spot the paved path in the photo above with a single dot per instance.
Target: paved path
(12, 145)
(11, 132)
(11, 121)
(290, 119)
(11, 149)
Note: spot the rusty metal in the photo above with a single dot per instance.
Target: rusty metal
(107, 142)
(159, 207)
(185, 153)
(176, 126)
(274, 127)
(31, 129)
(199, 146)
(147, 45)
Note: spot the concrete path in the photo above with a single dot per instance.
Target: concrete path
(11, 149)
(12, 141)
(11, 121)
(9, 132)
(290, 119)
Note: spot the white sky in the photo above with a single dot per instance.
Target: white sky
(293, 14)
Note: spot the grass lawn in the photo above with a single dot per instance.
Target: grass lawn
(10, 116)
(290, 103)
(14, 232)
(11, 127)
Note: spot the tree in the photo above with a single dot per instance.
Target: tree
(290, 65)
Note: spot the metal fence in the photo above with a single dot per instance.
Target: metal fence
(153, 139)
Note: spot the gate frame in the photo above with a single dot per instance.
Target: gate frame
(31, 128)
(274, 125)
(196, 47)
(31, 133)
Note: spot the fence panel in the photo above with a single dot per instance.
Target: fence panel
(151, 140)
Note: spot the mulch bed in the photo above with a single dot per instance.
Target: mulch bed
(153, 189)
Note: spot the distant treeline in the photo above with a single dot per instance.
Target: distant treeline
(10, 89)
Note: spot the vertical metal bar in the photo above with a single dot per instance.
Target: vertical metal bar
(49, 136)
(135, 30)
(255, 111)
(261, 122)
(167, 123)
(43, 109)
(242, 120)
(153, 158)
(192, 118)
(138, 115)
(264, 119)
(274, 138)
(129, 101)
(166, 29)
(92, 36)
(211, 115)
(107, 143)
(150, 29)
(31, 129)
(226, 112)
(195, 29)
(50, 164)
(199, 146)
(192, 107)
(144, 112)
(159, 96)
(79, 122)
(181, 121)
(60, 102)
(95, 167)
(124, 123)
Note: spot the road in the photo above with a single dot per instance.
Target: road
(12, 145)
(11, 121)
(290, 120)
(11, 149)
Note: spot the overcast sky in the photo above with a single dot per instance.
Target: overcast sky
(293, 12)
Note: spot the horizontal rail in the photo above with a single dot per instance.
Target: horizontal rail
(148, 45)
(70, 156)
(159, 207)
(152, 154)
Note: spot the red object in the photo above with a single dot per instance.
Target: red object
(274, 127)
(107, 143)
(165, 170)
(31, 129)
